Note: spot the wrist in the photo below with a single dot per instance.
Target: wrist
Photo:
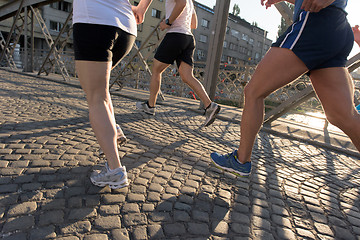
(167, 22)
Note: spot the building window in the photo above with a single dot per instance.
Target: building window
(235, 33)
(140, 27)
(232, 46)
(245, 37)
(257, 55)
(225, 44)
(227, 30)
(205, 23)
(203, 39)
(62, 6)
(242, 50)
(251, 41)
(56, 26)
(155, 13)
(200, 54)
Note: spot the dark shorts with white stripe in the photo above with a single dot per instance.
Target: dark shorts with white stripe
(320, 40)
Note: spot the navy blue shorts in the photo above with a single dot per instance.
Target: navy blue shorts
(101, 43)
(177, 47)
(320, 40)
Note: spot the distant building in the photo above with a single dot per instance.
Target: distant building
(244, 42)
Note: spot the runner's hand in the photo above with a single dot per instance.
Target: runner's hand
(268, 3)
(315, 5)
(139, 15)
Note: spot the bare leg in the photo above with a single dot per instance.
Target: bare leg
(335, 89)
(278, 68)
(186, 74)
(94, 79)
(155, 81)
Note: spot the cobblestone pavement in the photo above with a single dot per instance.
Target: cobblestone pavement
(48, 150)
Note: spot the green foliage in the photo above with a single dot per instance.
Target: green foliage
(236, 10)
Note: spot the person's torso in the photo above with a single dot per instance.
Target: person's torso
(183, 23)
(337, 3)
(116, 13)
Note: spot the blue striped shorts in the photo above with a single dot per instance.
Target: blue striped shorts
(320, 40)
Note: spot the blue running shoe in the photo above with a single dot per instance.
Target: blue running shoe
(229, 162)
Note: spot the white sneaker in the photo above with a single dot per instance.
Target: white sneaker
(116, 178)
(210, 113)
(143, 106)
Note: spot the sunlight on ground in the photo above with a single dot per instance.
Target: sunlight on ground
(318, 121)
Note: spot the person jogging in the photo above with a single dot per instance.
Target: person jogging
(178, 45)
(104, 32)
(317, 43)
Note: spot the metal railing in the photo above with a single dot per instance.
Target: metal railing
(232, 80)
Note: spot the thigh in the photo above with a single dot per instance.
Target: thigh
(122, 46)
(94, 77)
(278, 67)
(335, 89)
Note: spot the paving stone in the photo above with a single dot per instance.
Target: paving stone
(285, 233)
(133, 219)
(240, 228)
(22, 209)
(323, 229)
(19, 223)
(112, 199)
(96, 237)
(120, 234)
(160, 216)
(15, 236)
(220, 227)
(109, 222)
(261, 223)
(155, 232)
(76, 227)
(109, 210)
(82, 213)
(43, 233)
(305, 233)
(174, 229)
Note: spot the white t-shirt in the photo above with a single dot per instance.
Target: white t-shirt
(116, 13)
(183, 23)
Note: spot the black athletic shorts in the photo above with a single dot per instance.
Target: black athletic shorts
(101, 43)
(177, 47)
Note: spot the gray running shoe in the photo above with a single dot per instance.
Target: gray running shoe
(115, 179)
(210, 113)
(145, 108)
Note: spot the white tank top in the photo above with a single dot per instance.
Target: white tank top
(183, 23)
(116, 13)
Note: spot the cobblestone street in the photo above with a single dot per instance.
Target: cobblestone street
(48, 151)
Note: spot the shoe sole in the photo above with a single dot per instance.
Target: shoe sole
(111, 185)
(213, 117)
(230, 170)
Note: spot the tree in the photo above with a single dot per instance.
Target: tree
(236, 10)
(283, 26)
